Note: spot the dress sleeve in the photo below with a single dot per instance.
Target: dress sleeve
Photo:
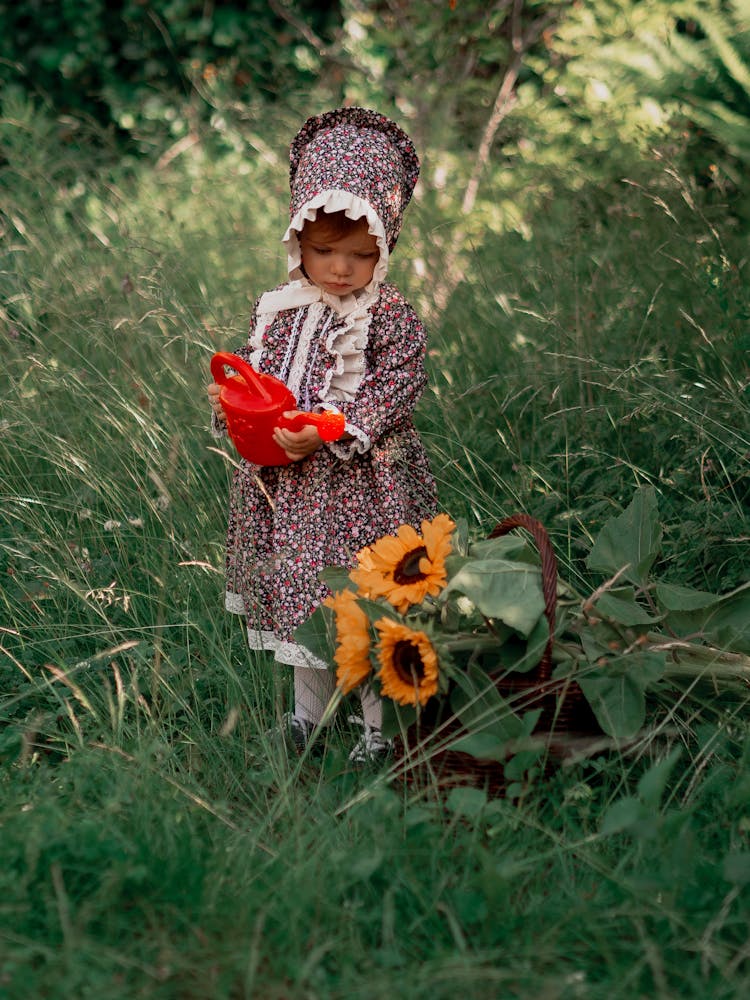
(393, 382)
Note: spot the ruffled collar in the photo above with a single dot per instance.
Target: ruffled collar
(303, 292)
(344, 342)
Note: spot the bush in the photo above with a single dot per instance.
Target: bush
(149, 69)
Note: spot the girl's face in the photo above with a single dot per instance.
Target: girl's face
(340, 265)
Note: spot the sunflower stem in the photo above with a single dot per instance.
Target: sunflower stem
(698, 652)
(472, 642)
(694, 661)
(684, 659)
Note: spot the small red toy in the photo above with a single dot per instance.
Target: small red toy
(254, 403)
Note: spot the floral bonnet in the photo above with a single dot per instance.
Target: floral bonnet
(353, 160)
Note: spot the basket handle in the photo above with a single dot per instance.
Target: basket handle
(549, 577)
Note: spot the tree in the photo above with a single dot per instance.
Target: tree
(146, 68)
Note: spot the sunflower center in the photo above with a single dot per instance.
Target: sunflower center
(407, 570)
(407, 662)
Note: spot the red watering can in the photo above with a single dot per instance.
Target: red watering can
(253, 405)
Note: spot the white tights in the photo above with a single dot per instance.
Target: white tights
(313, 689)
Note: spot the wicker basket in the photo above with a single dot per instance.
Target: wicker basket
(566, 720)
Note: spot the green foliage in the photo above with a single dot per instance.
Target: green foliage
(683, 63)
(502, 589)
(155, 841)
(618, 644)
(710, 70)
(440, 63)
(617, 692)
(605, 352)
(629, 544)
(568, 93)
(156, 70)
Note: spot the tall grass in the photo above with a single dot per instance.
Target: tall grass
(607, 351)
(156, 842)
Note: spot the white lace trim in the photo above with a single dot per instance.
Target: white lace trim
(218, 429)
(303, 359)
(289, 653)
(347, 346)
(234, 603)
(355, 208)
(345, 342)
(358, 444)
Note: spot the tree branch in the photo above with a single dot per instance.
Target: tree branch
(521, 42)
(314, 40)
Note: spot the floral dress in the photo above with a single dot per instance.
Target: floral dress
(362, 355)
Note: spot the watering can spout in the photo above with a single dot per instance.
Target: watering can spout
(254, 405)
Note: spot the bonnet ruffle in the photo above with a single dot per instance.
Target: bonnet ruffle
(353, 160)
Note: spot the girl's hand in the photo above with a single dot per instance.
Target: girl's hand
(213, 391)
(297, 444)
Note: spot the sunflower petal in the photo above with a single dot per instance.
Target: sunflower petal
(437, 536)
(409, 537)
(389, 549)
(409, 672)
(352, 655)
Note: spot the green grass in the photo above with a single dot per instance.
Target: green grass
(155, 842)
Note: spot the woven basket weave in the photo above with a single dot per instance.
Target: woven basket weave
(425, 755)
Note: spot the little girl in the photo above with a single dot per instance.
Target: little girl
(342, 338)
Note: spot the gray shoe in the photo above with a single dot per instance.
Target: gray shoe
(370, 748)
(293, 732)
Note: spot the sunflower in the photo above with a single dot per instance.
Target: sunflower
(352, 656)
(408, 663)
(406, 567)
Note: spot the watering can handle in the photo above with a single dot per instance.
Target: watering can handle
(330, 424)
(243, 369)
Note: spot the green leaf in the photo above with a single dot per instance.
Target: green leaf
(652, 784)
(337, 578)
(521, 764)
(451, 618)
(530, 719)
(503, 547)
(616, 691)
(467, 801)
(318, 634)
(676, 598)
(502, 589)
(620, 605)
(455, 562)
(630, 541)
(483, 746)
(481, 707)
(460, 538)
(622, 815)
(617, 702)
(396, 718)
(375, 610)
(725, 623)
(520, 659)
(599, 641)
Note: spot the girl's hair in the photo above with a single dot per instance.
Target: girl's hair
(337, 225)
